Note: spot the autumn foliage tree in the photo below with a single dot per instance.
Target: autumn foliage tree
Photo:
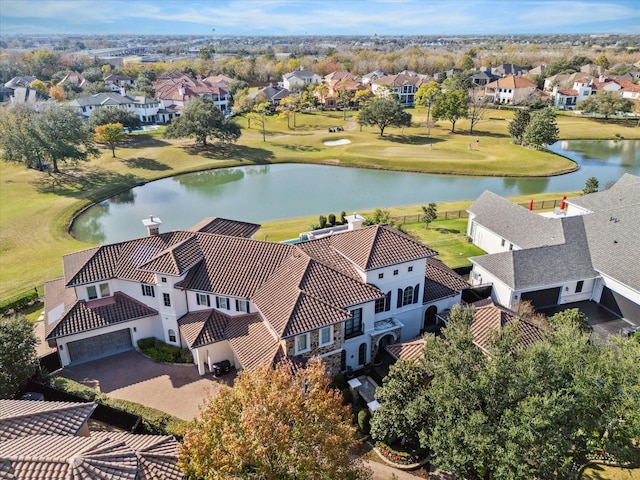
(274, 424)
(110, 134)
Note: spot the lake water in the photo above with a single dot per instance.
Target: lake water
(271, 192)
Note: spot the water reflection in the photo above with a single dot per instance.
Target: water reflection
(270, 192)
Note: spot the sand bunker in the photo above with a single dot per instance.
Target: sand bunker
(333, 143)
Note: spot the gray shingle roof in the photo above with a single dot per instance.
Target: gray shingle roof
(518, 225)
(624, 193)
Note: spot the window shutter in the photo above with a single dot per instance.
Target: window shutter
(217, 302)
(143, 292)
(416, 291)
(387, 302)
(248, 307)
(208, 301)
(399, 304)
(228, 304)
(153, 292)
(237, 305)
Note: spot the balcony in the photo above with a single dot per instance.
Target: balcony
(386, 325)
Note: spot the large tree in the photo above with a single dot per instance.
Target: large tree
(518, 125)
(18, 358)
(451, 106)
(425, 97)
(110, 134)
(274, 424)
(383, 113)
(542, 129)
(202, 119)
(55, 135)
(105, 115)
(606, 104)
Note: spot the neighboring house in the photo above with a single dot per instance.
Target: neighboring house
(375, 75)
(512, 90)
(74, 78)
(117, 82)
(588, 253)
(51, 440)
(592, 69)
(272, 94)
(27, 95)
(19, 82)
(175, 89)
(483, 78)
(569, 98)
(536, 71)
(507, 69)
(405, 86)
(339, 75)
(332, 99)
(225, 296)
(145, 108)
(299, 79)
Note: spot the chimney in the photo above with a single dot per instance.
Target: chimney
(153, 225)
(354, 221)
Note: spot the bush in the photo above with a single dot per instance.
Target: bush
(148, 342)
(159, 351)
(19, 301)
(403, 458)
(347, 397)
(332, 219)
(74, 388)
(364, 416)
(340, 382)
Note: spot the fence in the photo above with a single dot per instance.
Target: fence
(455, 214)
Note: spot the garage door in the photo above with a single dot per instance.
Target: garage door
(99, 346)
(542, 298)
(619, 305)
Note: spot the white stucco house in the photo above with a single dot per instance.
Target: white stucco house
(221, 294)
(512, 90)
(299, 79)
(145, 108)
(589, 252)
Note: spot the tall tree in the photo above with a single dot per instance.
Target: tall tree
(18, 358)
(54, 135)
(606, 104)
(590, 186)
(478, 106)
(258, 114)
(384, 112)
(273, 424)
(429, 214)
(103, 116)
(110, 134)
(451, 106)
(202, 119)
(518, 125)
(425, 97)
(542, 129)
(288, 107)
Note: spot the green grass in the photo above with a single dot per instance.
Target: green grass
(36, 208)
(607, 472)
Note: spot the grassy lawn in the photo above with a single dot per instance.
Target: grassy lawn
(36, 208)
(606, 472)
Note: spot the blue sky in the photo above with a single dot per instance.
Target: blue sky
(319, 17)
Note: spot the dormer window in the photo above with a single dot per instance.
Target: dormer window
(92, 292)
(102, 289)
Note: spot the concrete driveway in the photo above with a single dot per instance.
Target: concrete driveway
(175, 389)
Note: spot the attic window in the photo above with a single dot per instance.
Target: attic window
(395, 272)
(163, 279)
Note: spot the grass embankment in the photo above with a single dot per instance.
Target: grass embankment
(36, 208)
(607, 472)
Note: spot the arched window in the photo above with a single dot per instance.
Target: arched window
(407, 296)
(172, 335)
(362, 354)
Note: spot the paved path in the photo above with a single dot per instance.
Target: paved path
(43, 347)
(386, 472)
(175, 389)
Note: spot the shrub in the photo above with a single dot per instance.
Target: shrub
(74, 388)
(340, 382)
(403, 458)
(323, 221)
(332, 219)
(364, 416)
(159, 351)
(347, 397)
(19, 301)
(148, 342)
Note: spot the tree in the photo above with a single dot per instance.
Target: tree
(542, 129)
(518, 125)
(451, 106)
(202, 119)
(362, 96)
(273, 424)
(52, 136)
(106, 115)
(606, 104)
(205, 53)
(602, 61)
(110, 134)
(425, 97)
(478, 106)
(258, 114)
(590, 186)
(39, 86)
(344, 97)
(430, 213)
(289, 106)
(18, 357)
(384, 112)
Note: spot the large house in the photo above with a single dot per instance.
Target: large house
(147, 109)
(221, 294)
(589, 252)
(174, 90)
(512, 89)
(299, 79)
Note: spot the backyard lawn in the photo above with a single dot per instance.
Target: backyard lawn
(606, 472)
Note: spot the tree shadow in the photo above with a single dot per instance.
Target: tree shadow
(146, 163)
(297, 148)
(447, 230)
(83, 182)
(143, 140)
(222, 151)
(411, 139)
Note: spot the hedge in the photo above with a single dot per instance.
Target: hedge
(162, 352)
(19, 301)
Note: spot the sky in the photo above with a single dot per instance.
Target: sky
(318, 17)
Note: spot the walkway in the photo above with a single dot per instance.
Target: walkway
(386, 472)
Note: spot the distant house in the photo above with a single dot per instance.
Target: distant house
(76, 79)
(340, 76)
(175, 89)
(512, 90)
(20, 82)
(588, 253)
(272, 94)
(299, 79)
(483, 78)
(404, 85)
(507, 69)
(147, 109)
(375, 75)
(214, 290)
(118, 82)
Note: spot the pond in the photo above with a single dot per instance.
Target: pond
(271, 192)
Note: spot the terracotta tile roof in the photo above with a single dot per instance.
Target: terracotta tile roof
(20, 418)
(399, 80)
(251, 341)
(157, 454)
(177, 259)
(378, 246)
(46, 457)
(83, 316)
(234, 266)
(411, 350)
(568, 93)
(224, 226)
(441, 281)
(321, 250)
(203, 327)
(512, 82)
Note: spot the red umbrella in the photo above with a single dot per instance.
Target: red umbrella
(562, 203)
(531, 204)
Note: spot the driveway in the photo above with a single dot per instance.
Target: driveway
(175, 389)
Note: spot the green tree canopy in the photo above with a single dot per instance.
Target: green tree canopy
(105, 115)
(273, 424)
(203, 120)
(542, 129)
(384, 112)
(110, 134)
(429, 213)
(451, 106)
(590, 186)
(55, 135)
(18, 358)
(518, 125)
(425, 97)
(606, 104)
